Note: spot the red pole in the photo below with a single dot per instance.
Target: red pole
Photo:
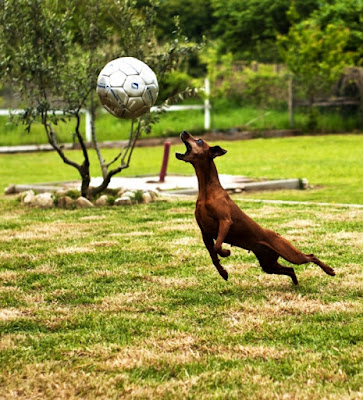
(164, 165)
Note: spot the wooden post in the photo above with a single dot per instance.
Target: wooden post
(164, 165)
(291, 102)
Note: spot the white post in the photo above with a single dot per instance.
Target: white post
(88, 126)
(207, 105)
(291, 101)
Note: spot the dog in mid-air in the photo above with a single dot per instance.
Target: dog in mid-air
(222, 221)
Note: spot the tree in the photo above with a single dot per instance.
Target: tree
(51, 53)
(195, 18)
(316, 54)
(248, 28)
(347, 14)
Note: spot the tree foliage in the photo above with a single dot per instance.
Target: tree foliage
(347, 14)
(194, 17)
(248, 29)
(316, 54)
(51, 53)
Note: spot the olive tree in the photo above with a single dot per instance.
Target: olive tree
(51, 53)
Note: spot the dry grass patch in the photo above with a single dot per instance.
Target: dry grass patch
(48, 268)
(104, 243)
(9, 314)
(48, 231)
(11, 341)
(300, 223)
(93, 218)
(350, 277)
(262, 212)
(179, 224)
(184, 241)
(353, 238)
(52, 380)
(130, 301)
(249, 315)
(339, 215)
(179, 349)
(134, 234)
(180, 210)
(75, 250)
(173, 282)
(8, 276)
(25, 256)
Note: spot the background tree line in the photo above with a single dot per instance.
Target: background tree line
(316, 40)
(51, 53)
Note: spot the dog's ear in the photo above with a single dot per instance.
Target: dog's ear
(216, 151)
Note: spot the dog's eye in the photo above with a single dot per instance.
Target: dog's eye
(199, 141)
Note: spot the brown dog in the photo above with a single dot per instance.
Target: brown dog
(220, 219)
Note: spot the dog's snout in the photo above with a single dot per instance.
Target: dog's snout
(184, 135)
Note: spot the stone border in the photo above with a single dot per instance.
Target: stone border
(63, 199)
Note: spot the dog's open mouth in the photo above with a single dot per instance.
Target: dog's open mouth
(180, 156)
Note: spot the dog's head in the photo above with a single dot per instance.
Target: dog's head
(198, 149)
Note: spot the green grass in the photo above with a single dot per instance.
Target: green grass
(332, 164)
(224, 117)
(125, 303)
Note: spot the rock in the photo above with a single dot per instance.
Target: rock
(61, 192)
(43, 200)
(82, 202)
(120, 192)
(129, 194)
(65, 202)
(11, 189)
(27, 197)
(146, 198)
(304, 184)
(102, 200)
(153, 194)
(123, 201)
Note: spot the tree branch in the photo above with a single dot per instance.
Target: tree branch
(127, 153)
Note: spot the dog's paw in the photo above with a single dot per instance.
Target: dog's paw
(223, 273)
(224, 253)
(329, 271)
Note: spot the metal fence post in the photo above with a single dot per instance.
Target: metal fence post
(291, 102)
(88, 126)
(207, 118)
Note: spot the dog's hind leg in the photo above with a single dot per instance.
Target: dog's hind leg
(268, 261)
(290, 253)
(328, 270)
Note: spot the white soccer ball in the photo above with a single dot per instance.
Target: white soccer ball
(127, 87)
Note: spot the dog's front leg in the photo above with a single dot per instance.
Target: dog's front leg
(223, 229)
(209, 244)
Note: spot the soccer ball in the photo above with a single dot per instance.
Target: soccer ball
(127, 87)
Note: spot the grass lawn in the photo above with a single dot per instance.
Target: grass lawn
(332, 164)
(124, 302)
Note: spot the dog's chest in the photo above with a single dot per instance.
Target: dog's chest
(205, 220)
